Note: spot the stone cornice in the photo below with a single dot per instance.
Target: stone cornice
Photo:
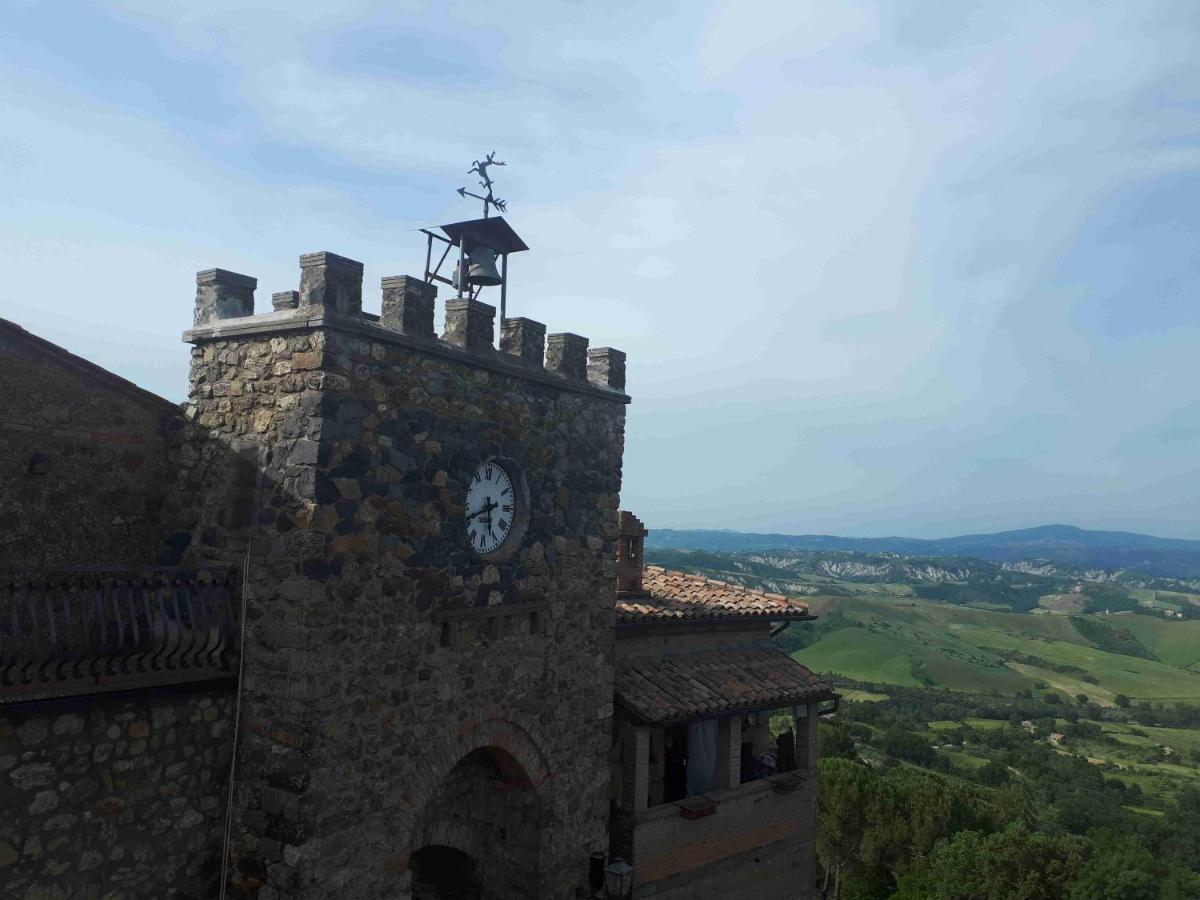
(291, 320)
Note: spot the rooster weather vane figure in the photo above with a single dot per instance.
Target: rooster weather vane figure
(480, 167)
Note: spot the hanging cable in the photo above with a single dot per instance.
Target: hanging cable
(237, 722)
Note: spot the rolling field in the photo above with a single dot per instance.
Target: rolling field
(1125, 760)
(913, 643)
(1175, 643)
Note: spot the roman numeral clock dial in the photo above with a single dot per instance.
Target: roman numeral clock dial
(491, 508)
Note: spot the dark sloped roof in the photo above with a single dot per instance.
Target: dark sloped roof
(492, 232)
(708, 682)
(13, 331)
(668, 595)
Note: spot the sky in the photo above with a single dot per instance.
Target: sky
(915, 268)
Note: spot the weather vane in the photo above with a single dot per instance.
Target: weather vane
(485, 181)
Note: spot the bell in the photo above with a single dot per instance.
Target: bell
(481, 267)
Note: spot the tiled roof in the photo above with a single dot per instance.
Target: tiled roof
(707, 682)
(668, 595)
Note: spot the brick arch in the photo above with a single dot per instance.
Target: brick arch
(443, 756)
(447, 834)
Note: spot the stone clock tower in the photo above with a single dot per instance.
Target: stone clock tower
(426, 699)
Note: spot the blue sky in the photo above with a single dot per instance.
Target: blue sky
(915, 268)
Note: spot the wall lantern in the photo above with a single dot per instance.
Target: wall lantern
(618, 879)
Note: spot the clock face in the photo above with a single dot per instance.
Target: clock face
(491, 507)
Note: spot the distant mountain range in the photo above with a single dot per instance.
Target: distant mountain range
(1062, 544)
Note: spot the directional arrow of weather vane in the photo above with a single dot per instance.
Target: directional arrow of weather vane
(494, 201)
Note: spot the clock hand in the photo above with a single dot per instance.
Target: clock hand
(486, 508)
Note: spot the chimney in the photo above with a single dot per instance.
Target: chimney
(630, 543)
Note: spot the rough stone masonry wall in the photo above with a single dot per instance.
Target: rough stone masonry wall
(83, 460)
(374, 658)
(115, 795)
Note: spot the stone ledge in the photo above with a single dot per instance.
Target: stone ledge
(488, 612)
(367, 326)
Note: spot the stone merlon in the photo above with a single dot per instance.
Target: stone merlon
(469, 324)
(524, 339)
(221, 294)
(606, 367)
(408, 305)
(567, 354)
(331, 282)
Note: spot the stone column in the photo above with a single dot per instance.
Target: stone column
(729, 752)
(408, 305)
(640, 751)
(221, 294)
(806, 736)
(285, 300)
(469, 324)
(524, 338)
(657, 764)
(331, 283)
(566, 354)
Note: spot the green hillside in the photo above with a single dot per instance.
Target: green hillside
(912, 642)
(1175, 643)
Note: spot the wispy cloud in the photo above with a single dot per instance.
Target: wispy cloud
(914, 268)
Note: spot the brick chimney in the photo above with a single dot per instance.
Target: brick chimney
(630, 544)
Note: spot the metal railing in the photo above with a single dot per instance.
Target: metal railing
(66, 632)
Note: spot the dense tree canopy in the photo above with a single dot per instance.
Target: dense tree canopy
(1030, 823)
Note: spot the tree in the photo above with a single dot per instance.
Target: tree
(908, 746)
(994, 773)
(844, 789)
(1014, 863)
(1182, 827)
(1121, 868)
(835, 741)
(1122, 701)
(1181, 884)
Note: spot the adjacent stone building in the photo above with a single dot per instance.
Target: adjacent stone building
(346, 624)
(715, 740)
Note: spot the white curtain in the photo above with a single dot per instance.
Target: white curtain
(701, 757)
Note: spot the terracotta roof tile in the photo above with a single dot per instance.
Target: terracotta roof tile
(707, 682)
(670, 595)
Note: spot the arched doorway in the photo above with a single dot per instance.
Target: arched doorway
(446, 873)
(479, 835)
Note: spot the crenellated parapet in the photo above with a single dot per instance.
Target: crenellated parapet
(330, 295)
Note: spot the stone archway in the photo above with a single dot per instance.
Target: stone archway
(479, 834)
(445, 872)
